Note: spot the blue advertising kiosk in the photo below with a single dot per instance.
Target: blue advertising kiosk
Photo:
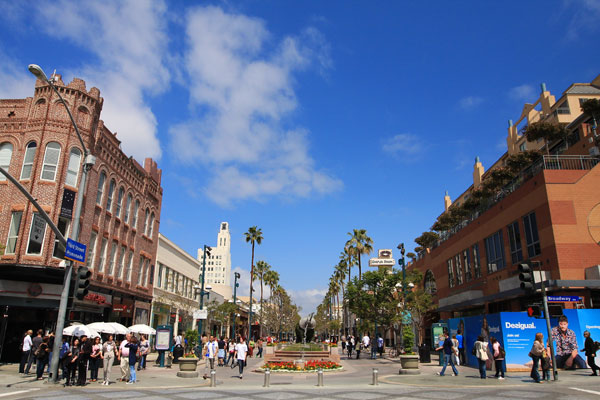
(164, 338)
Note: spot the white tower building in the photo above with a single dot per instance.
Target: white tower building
(218, 265)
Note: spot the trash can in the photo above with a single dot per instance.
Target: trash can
(424, 354)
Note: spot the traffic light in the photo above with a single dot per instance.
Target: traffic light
(83, 281)
(207, 250)
(526, 277)
(534, 311)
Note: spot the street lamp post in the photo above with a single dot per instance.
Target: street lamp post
(206, 254)
(235, 286)
(88, 162)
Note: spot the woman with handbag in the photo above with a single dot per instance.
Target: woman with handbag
(109, 352)
(536, 354)
(481, 352)
(42, 356)
(95, 358)
(499, 354)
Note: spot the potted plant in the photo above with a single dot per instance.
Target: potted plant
(409, 360)
(189, 361)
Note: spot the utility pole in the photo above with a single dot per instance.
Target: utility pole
(206, 254)
(402, 263)
(235, 286)
(547, 317)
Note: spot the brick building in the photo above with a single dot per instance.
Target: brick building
(549, 213)
(119, 221)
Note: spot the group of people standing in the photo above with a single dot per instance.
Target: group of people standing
(84, 354)
(226, 350)
(350, 344)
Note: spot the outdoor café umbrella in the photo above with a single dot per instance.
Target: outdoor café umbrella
(80, 330)
(102, 327)
(143, 329)
(120, 329)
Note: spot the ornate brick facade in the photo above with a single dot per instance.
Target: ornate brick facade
(44, 153)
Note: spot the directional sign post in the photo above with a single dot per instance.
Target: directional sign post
(75, 251)
(38, 229)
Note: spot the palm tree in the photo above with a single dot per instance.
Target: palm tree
(359, 244)
(340, 275)
(254, 235)
(271, 279)
(259, 273)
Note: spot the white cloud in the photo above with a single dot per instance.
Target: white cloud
(470, 102)
(130, 43)
(241, 86)
(404, 145)
(308, 299)
(584, 19)
(17, 81)
(523, 92)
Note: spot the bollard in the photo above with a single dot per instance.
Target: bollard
(267, 377)
(320, 377)
(213, 378)
(375, 375)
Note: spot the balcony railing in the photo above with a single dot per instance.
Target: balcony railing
(550, 162)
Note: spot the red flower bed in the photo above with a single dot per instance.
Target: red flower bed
(310, 365)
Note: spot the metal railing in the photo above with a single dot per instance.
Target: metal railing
(549, 162)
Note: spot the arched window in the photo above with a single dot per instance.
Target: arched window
(6, 150)
(151, 226)
(120, 201)
(83, 117)
(145, 230)
(127, 208)
(134, 217)
(73, 167)
(28, 160)
(101, 181)
(111, 192)
(38, 111)
(429, 282)
(51, 161)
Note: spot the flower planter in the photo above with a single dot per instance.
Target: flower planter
(187, 364)
(409, 361)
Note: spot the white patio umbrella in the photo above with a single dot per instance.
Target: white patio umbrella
(80, 330)
(102, 327)
(143, 329)
(120, 329)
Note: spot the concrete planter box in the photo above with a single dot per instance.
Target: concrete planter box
(187, 364)
(409, 361)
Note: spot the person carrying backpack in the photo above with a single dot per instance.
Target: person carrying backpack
(499, 354)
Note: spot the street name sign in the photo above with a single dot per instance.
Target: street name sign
(564, 299)
(382, 262)
(75, 251)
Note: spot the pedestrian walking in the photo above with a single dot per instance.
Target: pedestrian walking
(545, 362)
(84, 357)
(109, 353)
(358, 350)
(343, 340)
(380, 346)
(144, 350)
(26, 345)
(481, 352)
(536, 354)
(35, 343)
(455, 356)
(241, 354)
(349, 346)
(95, 359)
(231, 350)
(590, 350)
(133, 348)
(221, 352)
(72, 361)
(447, 350)
(462, 358)
(50, 347)
(259, 346)
(42, 354)
(123, 358)
(499, 354)
(65, 349)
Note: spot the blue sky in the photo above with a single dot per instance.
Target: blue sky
(307, 119)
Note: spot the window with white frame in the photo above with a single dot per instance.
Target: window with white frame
(111, 192)
(51, 158)
(127, 208)
(147, 216)
(28, 161)
(63, 227)
(91, 254)
(129, 266)
(134, 217)
(151, 226)
(159, 277)
(146, 270)
(120, 265)
(112, 259)
(102, 259)
(119, 201)
(73, 167)
(140, 267)
(101, 181)
(6, 150)
(34, 246)
(13, 232)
